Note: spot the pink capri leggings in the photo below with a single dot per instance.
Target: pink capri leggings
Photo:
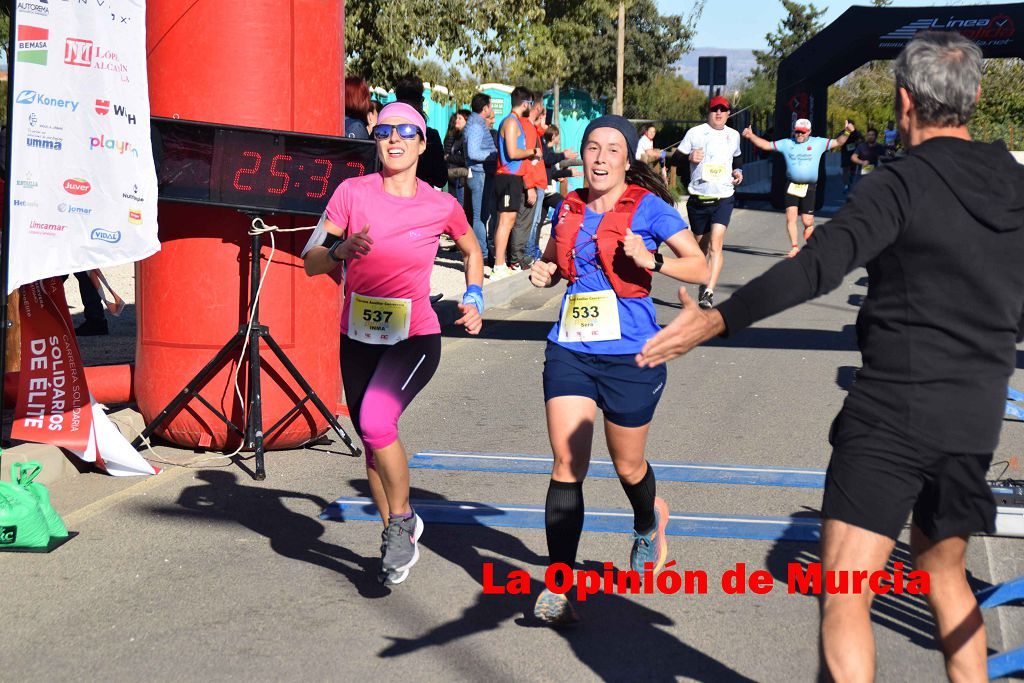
(381, 381)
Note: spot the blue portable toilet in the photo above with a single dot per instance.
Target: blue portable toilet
(501, 100)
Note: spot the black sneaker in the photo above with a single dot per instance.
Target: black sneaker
(92, 328)
(707, 299)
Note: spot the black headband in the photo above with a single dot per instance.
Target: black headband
(620, 124)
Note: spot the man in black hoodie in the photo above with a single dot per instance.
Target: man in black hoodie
(941, 232)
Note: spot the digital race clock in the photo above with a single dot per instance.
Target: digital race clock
(269, 171)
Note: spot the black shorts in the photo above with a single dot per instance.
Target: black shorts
(626, 393)
(804, 204)
(509, 191)
(878, 476)
(703, 213)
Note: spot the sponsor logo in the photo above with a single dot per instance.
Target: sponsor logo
(995, 30)
(134, 216)
(77, 186)
(73, 210)
(82, 52)
(78, 52)
(37, 228)
(22, 202)
(103, 5)
(8, 535)
(34, 8)
(134, 195)
(111, 236)
(27, 183)
(112, 145)
(45, 142)
(103, 108)
(35, 122)
(36, 97)
(32, 43)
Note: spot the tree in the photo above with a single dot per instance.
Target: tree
(578, 43)
(802, 22)
(800, 25)
(384, 41)
(667, 96)
(865, 96)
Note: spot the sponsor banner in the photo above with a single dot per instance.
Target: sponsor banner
(53, 400)
(84, 191)
(54, 405)
(993, 31)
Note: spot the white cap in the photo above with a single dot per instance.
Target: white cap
(802, 125)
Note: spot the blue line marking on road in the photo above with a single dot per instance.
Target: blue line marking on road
(1014, 395)
(665, 471)
(607, 521)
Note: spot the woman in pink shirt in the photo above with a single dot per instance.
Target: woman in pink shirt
(385, 229)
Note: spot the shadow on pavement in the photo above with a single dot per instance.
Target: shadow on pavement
(905, 614)
(291, 534)
(618, 639)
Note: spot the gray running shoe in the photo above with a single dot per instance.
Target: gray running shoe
(399, 549)
(707, 299)
(554, 609)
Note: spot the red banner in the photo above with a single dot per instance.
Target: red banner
(53, 400)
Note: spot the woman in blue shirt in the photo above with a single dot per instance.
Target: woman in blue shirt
(604, 242)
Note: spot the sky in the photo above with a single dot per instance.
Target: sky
(718, 25)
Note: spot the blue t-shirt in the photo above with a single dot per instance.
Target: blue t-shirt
(802, 157)
(655, 221)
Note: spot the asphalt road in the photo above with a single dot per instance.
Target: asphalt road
(205, 574)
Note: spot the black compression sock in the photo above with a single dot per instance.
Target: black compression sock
(641, 497)
(563, 520)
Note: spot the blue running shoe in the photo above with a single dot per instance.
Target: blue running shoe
(554, 609)
(652, 546)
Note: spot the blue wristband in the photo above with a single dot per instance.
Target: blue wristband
(474, 295)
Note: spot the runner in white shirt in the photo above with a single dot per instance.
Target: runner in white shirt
(711, 148)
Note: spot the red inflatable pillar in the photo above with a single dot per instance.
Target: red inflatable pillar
(268, 64)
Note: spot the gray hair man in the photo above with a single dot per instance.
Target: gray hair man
(941, 232)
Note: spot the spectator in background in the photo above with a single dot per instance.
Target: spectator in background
(645, 150)
(357, 107)
(554, 162)
(524, 230)
(866, 156)
(431, 168)
(891, 137)
(846, 154)
(455, 154)
(515, 154)
(490, 194)
(371, 116)
(480, 150)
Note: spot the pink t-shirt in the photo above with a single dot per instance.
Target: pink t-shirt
(405, 232)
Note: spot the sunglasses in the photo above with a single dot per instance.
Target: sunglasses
(406, 131)
(719, 108)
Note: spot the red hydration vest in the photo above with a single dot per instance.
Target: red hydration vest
(628, 279)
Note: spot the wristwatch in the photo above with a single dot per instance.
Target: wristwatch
(659, 261)
(330, 252)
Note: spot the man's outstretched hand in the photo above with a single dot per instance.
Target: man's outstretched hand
(692, 327)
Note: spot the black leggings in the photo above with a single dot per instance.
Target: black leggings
(381, 381)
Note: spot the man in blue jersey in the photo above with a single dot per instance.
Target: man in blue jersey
(803, 154)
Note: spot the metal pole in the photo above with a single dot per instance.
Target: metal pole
(620, 63)
(5, 241)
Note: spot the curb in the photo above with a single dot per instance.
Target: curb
(496, 294)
